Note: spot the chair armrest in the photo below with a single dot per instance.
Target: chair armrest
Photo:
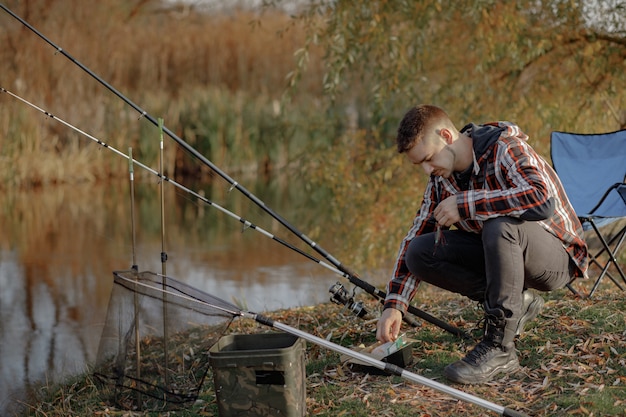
(620, 187)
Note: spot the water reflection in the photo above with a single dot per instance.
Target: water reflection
(59, 246)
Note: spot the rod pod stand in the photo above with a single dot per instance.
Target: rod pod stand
(351, 276)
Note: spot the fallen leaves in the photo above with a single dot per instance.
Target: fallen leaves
(569, 357)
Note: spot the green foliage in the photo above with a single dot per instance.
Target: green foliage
(238, 130)
(478, 58)
(369, 205)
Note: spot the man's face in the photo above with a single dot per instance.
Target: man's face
(434, 155)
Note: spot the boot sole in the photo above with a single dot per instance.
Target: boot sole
(533, 311)
(475, 379)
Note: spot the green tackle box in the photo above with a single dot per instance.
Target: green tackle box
(259, 375)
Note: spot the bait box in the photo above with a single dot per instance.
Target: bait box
(399, 353)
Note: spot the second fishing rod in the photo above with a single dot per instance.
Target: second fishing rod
(351, 276)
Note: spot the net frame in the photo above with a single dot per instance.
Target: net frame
(154, 349)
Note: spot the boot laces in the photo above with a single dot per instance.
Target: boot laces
(479, 352)
(480, 324)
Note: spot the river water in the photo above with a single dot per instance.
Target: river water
(60, 244)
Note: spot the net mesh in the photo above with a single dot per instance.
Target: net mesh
(154, 349)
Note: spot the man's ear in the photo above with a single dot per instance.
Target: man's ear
(446, 134)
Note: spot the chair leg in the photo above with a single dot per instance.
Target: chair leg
(620, 236)
(574, 290)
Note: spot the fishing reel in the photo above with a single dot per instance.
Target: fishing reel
(340, 295)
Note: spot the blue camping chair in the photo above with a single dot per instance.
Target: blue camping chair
(592, 168)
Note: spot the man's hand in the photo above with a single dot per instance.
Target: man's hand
(388, 326)
(447, 212)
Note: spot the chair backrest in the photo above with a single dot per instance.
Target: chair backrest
(588, 166)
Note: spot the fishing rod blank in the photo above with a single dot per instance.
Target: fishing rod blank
(217, 304)
(351, 276)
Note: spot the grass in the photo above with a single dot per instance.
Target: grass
(573, 359)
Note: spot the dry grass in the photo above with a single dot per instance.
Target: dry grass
(157, 58)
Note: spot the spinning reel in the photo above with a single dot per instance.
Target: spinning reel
(340, 295)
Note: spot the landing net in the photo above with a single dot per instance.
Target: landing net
(154, 349)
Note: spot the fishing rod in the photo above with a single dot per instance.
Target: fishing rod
(350, 275)
(218, 304)
(246, 224)
(339, 293)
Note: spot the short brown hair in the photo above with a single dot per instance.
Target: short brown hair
(416, 122)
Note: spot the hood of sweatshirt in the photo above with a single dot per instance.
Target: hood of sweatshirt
(483, 136)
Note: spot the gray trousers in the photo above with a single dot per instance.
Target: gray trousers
(496, 266)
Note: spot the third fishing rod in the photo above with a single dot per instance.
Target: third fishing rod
(351, 276)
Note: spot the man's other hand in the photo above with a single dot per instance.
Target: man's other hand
(388, 327)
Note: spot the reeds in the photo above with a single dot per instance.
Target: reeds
(215, 79)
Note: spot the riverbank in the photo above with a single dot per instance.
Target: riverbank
(573, 361)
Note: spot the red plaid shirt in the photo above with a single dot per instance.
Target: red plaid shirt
(507, 180)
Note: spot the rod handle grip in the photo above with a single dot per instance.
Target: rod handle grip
(512, 413)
